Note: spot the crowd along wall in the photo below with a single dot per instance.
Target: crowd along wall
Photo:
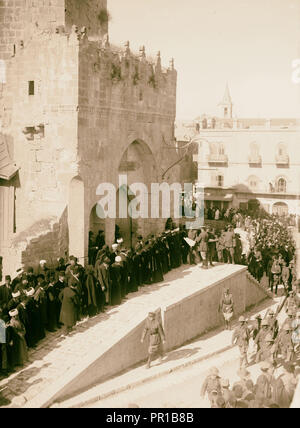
(186, 319)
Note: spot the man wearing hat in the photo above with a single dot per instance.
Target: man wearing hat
(285, 345)
(156, 333)
(273, 323)
(292, 302)
(5, 294)
(225, 391)
(212, 386)
(260, 338)
(43, 269)
(18, 347)
(241, 337)
(14, 301)
(115, 277)
(226, 306)
(31, 278)
(202, 243)
(229, 243)
(263, 385)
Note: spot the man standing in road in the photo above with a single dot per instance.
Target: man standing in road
(241, 337)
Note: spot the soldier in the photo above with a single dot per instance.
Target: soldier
(225, 392)
(202, 241)
(285, 345)
(260, 337)
(156, 338)
(212, 386)
(273, 323)
(226, 306)
(285, 276)
(229, 242)
(241, 337)
(263, 387)
(292, 302)
(268, 349)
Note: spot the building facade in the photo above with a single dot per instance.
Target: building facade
(75, 112)
(244, 162)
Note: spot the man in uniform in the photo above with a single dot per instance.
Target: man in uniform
(292, 302)
(229, 242)
(285, 345)
(212, 386)
(260, 337)
(273, 323)
(202, 241)
(241, 337)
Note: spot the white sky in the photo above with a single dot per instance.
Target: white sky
(249, 43)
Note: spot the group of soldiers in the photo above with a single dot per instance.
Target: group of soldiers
(274, 345)
(269, 390)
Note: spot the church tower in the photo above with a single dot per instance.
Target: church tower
(226, 104)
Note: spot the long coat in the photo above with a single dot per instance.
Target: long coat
(202, 240)
(69, 307)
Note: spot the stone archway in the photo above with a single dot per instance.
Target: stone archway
(138, 166)
(280, 208)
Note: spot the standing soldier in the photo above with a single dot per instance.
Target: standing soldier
(156, 338)
(212, 386)
(285, 275)
(260, 338)
(229, 241)
(292, 302)
(285, 345)
(241, 337)
(273, 324)
(226, 306)
(268, 349)
(202, 240)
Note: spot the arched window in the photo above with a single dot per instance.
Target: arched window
(253, 183)
(282, 157)
(281, 185)
(204, 123)
(220, 180)
(280, 208)
(221, 150)
(213, 123)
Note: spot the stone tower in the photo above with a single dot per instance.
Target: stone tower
(226, 104)
(19, 20)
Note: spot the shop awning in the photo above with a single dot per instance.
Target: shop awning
(225, 198)
(7, 167)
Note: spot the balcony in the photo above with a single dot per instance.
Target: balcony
(282, 161)
(254, 160)
(217, 158)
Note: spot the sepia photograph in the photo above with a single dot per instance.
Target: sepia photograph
(149, 206)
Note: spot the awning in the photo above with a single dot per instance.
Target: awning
(209, 197)
(7, 167)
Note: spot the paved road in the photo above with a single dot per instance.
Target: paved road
(179, 389)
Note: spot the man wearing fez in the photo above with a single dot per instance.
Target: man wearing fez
(32, 281)
(58, 287)
(156, 338)
(5, 294)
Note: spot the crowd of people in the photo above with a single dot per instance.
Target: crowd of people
(47, 298)
(274, 347)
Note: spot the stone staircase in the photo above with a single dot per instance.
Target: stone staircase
(258, 284)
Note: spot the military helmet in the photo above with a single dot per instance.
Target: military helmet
(242, 319)
(264, 322)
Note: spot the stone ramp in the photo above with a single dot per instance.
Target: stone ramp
(59, 362)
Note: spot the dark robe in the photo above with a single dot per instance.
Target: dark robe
(69, 307)
(19, 347)
(115, 275)
(104, 281)
(51, 307)
(59, 286)
(93, 295)
(157, 263)
(5, 297)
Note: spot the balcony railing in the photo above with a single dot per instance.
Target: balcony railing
(217, 158)
(254, 160)
(282, 160)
